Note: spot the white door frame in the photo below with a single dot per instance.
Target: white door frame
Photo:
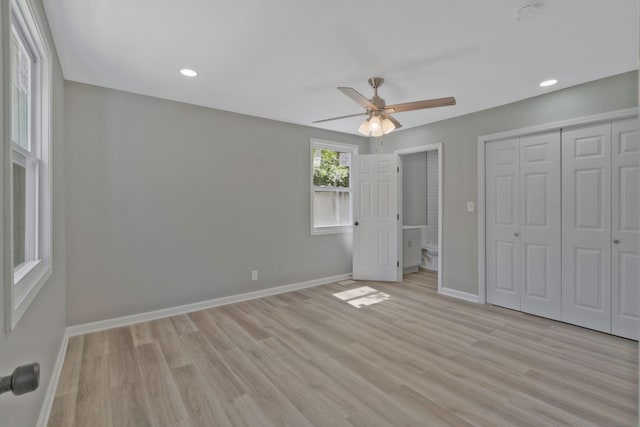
(419, 149)
(482, 140)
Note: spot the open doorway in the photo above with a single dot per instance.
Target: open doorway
(420, 209)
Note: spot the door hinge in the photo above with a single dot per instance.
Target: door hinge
(397, 263)
(398, 217)
(398, 168)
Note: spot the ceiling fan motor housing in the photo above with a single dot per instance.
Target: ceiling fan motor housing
(376, 82)
(379, 102)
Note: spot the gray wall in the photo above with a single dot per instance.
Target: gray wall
(38, 335)
(459, 136)
(414, 189)
(170, 204)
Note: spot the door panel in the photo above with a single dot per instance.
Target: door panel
(589, 278)
(375, 238)
(503, 274)
(539, 197)
(625, 259)
(586, 227)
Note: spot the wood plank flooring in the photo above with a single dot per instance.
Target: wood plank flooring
(306, 358)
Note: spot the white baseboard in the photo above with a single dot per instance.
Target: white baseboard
(47, 404)
(101, 325)
(459, 294)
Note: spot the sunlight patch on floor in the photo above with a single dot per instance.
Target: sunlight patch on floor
(363, 296)
(354, 293)
(369, 299)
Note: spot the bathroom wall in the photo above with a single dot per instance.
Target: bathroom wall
(414, 189)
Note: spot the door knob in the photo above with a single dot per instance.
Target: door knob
(23, 379)
(516, 234)
(616, 241)
(355, 223)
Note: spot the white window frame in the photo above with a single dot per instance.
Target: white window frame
(334, 146)
(22, 284)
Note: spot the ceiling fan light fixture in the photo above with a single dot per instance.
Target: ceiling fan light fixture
(374, 124)
(377, 132)
(364, 128)
(387, 126)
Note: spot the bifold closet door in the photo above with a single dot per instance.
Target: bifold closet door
(540, 232)
(586, 226)
(523, 224)
(502, 217)
(625, 276)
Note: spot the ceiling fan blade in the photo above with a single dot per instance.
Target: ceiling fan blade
(419, 105)
(359, 98)
(341, 117)
(396, 123)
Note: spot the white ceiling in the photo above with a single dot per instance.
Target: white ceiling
(283, 59)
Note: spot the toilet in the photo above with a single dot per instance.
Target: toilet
(430, 257)
(430, 248)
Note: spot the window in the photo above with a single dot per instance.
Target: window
(331, 203)
(30, 243)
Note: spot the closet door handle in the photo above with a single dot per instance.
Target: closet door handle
(516, 234)
(616, 241)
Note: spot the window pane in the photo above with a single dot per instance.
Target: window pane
(21, 68)
(19, 218)
(331, 168)
(331, 208)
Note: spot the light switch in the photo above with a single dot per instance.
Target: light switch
(470, 207)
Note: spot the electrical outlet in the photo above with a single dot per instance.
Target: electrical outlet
(254, 275)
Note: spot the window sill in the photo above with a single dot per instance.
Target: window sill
(34, 275)
(318, 231)
(21, 272)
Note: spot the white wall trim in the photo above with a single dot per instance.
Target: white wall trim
(458, 294)
(578, 121)
(47, 404)
(419, 149)
(546, 127)
(101, 325)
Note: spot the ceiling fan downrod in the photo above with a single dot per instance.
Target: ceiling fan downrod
(375, 83)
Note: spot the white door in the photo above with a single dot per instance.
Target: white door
(376, 222)
(625, 257)
(586, 226)
(540, 244)
(502, 215)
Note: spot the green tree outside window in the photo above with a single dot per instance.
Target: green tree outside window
(330, 168)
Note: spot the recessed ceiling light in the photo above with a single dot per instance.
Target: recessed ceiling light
(548, 83)
(187, 72)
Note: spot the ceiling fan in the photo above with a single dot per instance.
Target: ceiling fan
(380, 121)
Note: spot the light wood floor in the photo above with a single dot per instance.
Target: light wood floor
(306, 358)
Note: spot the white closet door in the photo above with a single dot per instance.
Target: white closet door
(540, 231)
(586, 227)
(625, 260)
(502, 213)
